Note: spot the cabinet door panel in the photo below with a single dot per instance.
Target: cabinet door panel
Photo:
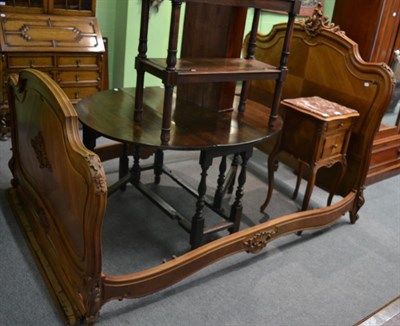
(73, 7)
(24, 6)
(73, 4)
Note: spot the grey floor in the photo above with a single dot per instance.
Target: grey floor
(335, 276)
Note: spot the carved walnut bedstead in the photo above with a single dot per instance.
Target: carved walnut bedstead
(59, 189)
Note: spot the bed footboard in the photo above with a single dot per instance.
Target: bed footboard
(58, 193)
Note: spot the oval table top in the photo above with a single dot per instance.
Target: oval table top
(110, 113)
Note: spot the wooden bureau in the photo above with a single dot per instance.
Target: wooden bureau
(69, 48)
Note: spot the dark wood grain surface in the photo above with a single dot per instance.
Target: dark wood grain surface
(111, 114)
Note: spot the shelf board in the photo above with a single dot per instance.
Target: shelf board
(194, 70)
(280, 5)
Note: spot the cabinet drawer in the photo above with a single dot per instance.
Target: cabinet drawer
(338, 125)
(22, 62)
(68, 77)
(78, 62)
(332, 145)
(77, 93)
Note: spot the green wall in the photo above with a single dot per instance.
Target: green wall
(120, 23)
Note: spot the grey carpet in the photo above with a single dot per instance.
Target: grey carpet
(335, 276)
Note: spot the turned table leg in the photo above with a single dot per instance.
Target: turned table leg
(237, 207)
(196, 233)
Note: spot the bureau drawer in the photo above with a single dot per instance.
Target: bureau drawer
(69, 77)
(78, 62)
(332, 145)
(77, 93)
(23, 62)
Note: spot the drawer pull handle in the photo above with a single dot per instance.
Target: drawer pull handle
(341, 125)
(77, 77)
(335, 146)
(78, 63)
(31, 63)
(77, 95)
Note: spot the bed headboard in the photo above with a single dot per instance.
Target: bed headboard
(59, 189)
(324, 62)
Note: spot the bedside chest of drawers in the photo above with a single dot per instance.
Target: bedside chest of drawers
(316, 132)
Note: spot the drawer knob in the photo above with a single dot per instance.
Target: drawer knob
(335, 146)
(78, 63)
(31, 63)
(341, 125)
(77, 77)
(77, 95)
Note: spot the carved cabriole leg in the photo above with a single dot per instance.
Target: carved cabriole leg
(358, 203)
(310, 187)
(219, 193)
(196, 233)
(299, 178)
(338, 180)
(272, 164)
(237, 207)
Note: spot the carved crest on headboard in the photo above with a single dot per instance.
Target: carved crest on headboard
(317, 22)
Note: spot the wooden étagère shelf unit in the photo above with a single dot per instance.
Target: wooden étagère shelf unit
(175, 71)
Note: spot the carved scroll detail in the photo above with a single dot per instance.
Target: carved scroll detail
(40, 151)
(93, 285)
(97, 173)
(387, 68)
(317, 21)
(258, 241)
(359, 202)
